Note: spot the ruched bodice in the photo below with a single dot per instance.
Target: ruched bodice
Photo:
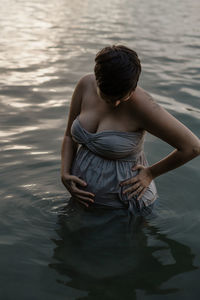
(104, 159)
(109, 143)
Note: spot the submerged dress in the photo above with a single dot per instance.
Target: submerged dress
(103, 160)
(103, 242)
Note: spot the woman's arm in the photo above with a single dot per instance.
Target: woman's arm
(156, 120)
(69, 149)
(68, 152)
(174, 160)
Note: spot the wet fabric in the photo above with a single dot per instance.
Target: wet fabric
(104, 159)
(101, 243)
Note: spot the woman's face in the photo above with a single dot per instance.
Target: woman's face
(117, 102)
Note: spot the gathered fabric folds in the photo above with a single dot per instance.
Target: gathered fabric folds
(104, 159)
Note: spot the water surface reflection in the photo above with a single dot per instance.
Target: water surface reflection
(108, 260)
(45, 47)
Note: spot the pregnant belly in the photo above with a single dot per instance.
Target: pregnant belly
(103, 177)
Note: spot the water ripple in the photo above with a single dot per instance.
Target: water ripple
(46, 46)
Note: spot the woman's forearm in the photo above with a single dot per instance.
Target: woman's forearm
(174, 160)
(68, 151)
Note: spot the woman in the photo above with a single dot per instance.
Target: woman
(109, 115)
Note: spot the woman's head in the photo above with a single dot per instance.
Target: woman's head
(117, 71)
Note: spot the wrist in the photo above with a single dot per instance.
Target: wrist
(64, 174)
(151, 172)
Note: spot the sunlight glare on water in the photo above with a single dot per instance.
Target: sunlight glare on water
(45, 47)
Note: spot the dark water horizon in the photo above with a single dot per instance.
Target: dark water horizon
(45, 48)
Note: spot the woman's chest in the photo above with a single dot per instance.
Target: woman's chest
(96, 115)
(97, 118)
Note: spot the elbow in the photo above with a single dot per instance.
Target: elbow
(192, 151)
(196, 150)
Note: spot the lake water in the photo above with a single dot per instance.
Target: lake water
(45, 47)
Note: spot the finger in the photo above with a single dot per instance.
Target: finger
(136, 192)
(132, 188)
(65, 184)
(141, 194)
(129, 181)
(81, 192)
(72, 183)
(137, 167)
(84, 203)
(84, 198)
(78, 180)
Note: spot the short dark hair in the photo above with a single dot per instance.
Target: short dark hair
(117, 71)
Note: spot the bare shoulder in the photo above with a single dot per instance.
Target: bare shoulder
(76, 100)
(158, 121)
(142, 101)
(90, 80)
(85, 80)
(87, 83)
(147, 110)
(80, 88)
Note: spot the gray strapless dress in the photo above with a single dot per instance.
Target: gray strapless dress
(104, 159)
